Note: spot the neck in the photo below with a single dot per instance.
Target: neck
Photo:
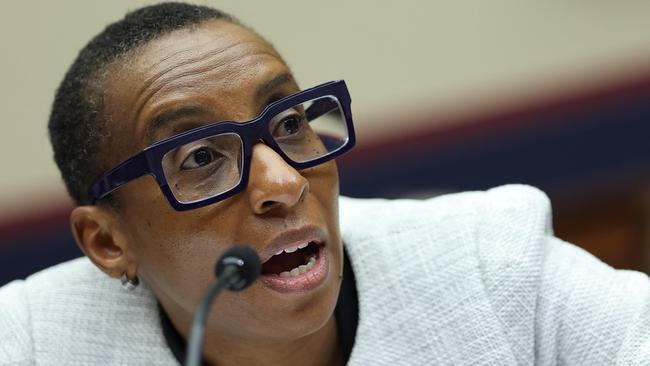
(317, 349)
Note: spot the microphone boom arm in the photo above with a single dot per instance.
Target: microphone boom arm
(194, 353)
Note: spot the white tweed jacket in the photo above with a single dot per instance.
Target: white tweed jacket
(474, 278)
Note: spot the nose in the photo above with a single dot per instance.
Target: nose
(273, 184)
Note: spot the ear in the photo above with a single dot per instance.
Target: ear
(99, 234)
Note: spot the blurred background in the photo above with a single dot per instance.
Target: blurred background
(447, 96)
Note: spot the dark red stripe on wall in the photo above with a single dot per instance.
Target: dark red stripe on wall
(505, 121)
(561, 145)
(43, 220)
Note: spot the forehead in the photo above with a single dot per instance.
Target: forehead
(217, 47)
(216, 65)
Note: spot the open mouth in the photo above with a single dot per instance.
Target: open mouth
(292, 261)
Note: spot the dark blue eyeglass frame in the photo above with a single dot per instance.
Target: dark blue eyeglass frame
(149, 160)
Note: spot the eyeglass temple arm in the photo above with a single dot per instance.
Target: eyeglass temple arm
(130, 169)
(320, 107)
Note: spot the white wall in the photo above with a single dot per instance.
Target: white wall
(397, 56)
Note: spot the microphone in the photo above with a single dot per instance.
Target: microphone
(237, 269)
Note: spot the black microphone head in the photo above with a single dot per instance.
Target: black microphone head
(247, 263)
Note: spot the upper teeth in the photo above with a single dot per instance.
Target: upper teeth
(292, 249)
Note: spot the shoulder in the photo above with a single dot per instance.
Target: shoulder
(491, 214)
(472, 255)
(23, 303)
(16, 346)
(17, 302)
(506, 227)
(65, 281)
(73, 311)
(584, 304)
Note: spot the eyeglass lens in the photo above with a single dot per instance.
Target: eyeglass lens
(211, 166)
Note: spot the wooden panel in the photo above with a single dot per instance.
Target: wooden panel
(612, 224)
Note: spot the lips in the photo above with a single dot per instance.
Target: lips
(295, 261)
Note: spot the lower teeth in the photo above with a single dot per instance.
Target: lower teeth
(300, 269)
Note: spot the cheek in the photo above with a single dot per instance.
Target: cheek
(324, 182)
(178, 263)
(176, 251)
(324, 186)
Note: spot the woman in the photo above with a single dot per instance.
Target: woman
(164, 186)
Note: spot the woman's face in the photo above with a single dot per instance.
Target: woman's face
(190, 77)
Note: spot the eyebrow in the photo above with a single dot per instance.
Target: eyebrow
(175, 113)
(272, 84)
(189, 110)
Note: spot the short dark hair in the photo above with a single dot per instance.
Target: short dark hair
(76, 125)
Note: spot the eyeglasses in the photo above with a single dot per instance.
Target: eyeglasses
(211, 163)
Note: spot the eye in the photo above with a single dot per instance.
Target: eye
(289, 125)
(199, 158)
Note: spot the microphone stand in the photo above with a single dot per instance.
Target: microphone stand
(194, 354)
